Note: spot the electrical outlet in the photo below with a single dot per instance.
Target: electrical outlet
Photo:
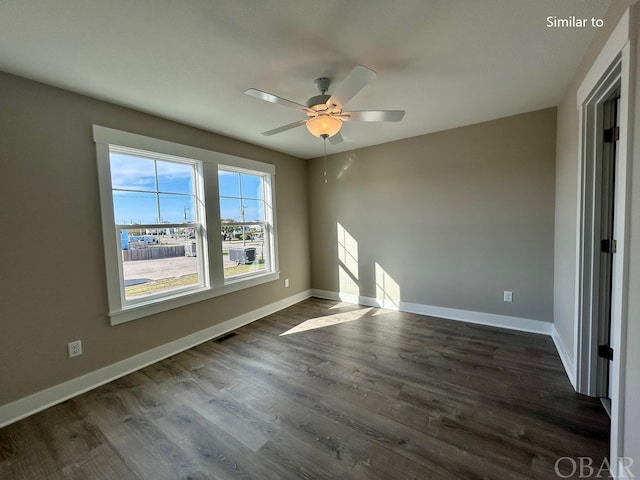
(286, 283)
(75, 348)
(508, 296)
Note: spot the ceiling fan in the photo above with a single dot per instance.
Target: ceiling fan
(325, 112)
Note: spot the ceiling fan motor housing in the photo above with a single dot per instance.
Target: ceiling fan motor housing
(322, 84)
(319, 102)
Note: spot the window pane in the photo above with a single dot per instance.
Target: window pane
(175, 177)
(251, 186)
(129, 172)
(230, 210)
(229, 183)
(253, 210)
(161, 263)
(243, 250)
(135, 207)
(177, 208)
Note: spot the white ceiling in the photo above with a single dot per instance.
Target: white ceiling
(448, 63)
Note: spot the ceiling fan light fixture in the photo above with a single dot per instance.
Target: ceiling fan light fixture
(325, 112)
(324, 125)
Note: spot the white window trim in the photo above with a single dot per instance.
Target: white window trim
(119, 311)
(269, 220)
(200, 225)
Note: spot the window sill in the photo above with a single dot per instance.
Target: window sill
(140, 310)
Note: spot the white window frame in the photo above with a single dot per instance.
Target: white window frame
(267, 223)
(214, 284)
(199, 224)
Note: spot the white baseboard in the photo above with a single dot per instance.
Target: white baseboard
(567, 360)
(39, 401)
(490, 319)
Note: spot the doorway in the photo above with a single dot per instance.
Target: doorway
(598, 243)
(604, 101)
(605, 178)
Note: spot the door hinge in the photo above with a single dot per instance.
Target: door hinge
(605, 351)
(612, 135)
(608, 246)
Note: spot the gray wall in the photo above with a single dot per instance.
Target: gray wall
(452, 218)
(52, 274)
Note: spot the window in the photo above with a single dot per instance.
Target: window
(161, 203)
(245, 227)
(157, 202)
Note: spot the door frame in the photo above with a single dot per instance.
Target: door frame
(614, 68)
(592, 120)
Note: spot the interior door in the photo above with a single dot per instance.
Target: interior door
(607, 244)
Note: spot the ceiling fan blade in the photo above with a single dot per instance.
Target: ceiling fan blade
(337, 138)
(284, 128)
(351, 85)
(375, 115)
(269, 97)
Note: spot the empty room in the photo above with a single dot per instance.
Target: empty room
(293, 239)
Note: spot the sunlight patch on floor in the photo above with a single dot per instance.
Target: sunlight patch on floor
(328, 321)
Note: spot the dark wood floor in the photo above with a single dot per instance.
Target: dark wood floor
(371, 394)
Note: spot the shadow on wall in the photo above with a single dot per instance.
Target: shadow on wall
(386, 288)
(347, 263)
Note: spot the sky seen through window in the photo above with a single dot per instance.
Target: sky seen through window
(151, 191)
